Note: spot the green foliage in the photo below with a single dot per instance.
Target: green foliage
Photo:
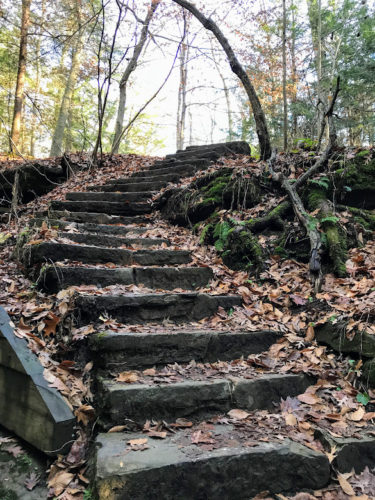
(220, 234)
(363, 398)
(322, 182)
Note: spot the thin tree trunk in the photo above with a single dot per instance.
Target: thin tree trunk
(260, 119)
(285, 101)
(21, 76)
(294, 75)
(181, 107)
(58, 134)
(127, 73)
(37, 85)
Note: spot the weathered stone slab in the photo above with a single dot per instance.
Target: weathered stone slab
(237, 147)
(29, 407)
(89, 227)
(184, 399)
(263, 392)
(351, 453)
(334, 335)
(185, 169)
(239, 473)
(196, 398)
(111, 196)
(140, 308)
(96, 218)
(194, 154)
(104, 240)
(121, 351)
(128, 187)
(107, 207)
(172, 163)
(50, 251)
(54, 278)
(148, 176)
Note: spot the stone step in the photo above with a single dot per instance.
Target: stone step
(153, 307)
(197, 399)
(194, 155)
(89, 227)
(184, 169)
(128, 187)
(175, 467)
(147, 176)
(104, 240)
(111, 196)
(53, 252)
(238, 147)
(198, 163)
(120, 351)
(54, 278)
(96, 218)
(107, 207)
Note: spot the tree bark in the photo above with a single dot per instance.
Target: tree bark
(181, 106)
(127, 73)
(58, 134)
(21, 76)
(260, 119)
(285, 101)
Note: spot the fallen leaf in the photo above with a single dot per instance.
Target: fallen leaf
(60, 481)
(31, 481)
(238, 414)
(84, 414)
(127, 377)
(137, 442)
(117, 428)
(356, 416)
(345, 485)
(290, 419)
(310, 334)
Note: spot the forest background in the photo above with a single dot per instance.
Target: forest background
(63, 64)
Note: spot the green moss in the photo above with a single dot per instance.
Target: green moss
(358, 174)
(315, 196)
(7, 494)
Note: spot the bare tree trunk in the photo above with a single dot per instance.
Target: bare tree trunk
(37, 84)
(294, 75)
(181, 106)
(285, 101)
(21, 75)
(127, 73)
(260, 119)
(58, 135)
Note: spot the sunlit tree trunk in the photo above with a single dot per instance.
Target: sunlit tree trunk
(285, 100)
(21, 76)
(58, 135)
(181, 105)
(127, 73)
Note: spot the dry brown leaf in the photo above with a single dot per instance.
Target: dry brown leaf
(356, 416)
(60, 481)
(84, 414)
(238, 414)
(310, 334)
(290, 419)
(137, 442)
(117, 428)
(345, 485)
(127, 377)
(149, 372)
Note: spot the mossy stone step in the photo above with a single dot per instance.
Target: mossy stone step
(237, 147)
(176, 468)
(53, 252)
(54, 278)
(104, 240)
(107, 207)
(194, 398)
(128, 187)
(152, 307)
(194, 155)
(96, 217)
(119, 351)
(111, 196)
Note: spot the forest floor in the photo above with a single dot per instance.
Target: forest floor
(279, 298)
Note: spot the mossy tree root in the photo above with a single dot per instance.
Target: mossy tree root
(274, 219)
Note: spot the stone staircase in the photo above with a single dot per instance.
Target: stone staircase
(196, 460)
